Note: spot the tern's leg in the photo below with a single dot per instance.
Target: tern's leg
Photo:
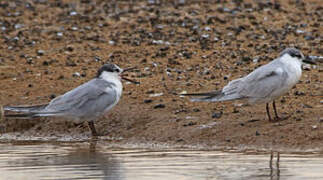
(268, 113)
(92, 128)
(271, 160)
(277, 164)
(276, 114)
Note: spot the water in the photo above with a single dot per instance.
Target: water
(84, 160)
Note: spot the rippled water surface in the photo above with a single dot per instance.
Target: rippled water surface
(89, 161)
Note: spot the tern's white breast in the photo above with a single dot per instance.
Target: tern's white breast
(294, 70)
(113, 78)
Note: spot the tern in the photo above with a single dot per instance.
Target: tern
(264, 85)
(86, 102)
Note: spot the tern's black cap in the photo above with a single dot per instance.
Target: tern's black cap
(108, 68)
(293, 52)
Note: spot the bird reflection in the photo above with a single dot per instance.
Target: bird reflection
(274, 173)
(84, 162)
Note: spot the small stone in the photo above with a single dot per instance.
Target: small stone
(148, 101)
(299, 93)
(217, 114)
(253, 120)
(235, 110)
(306, 67)
(74, 28)
(205, 36)
(314, 127)
(246, 59)
(257, 133)
(69, 48)
(52, 96)
(307, 106)
(73, 13)
(150, 91)
(40, 52)
(70, 63)
(18, 26)
(76, 74)
(159, 106)
(45, 63)
(59, 34)
(190, 124)
(196, 110)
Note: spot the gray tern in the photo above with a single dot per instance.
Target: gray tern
(86, 102)
(264, 84)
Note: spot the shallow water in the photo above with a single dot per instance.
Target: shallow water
(25, 160)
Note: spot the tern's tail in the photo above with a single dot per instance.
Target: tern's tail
(214, 96)
(25, 109)
(27, 112)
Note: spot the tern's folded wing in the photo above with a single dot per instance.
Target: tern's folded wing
(263, 82)
(94, 95)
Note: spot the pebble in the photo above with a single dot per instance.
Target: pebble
(156, 94)
(190, 124)
(18, 26)
(217, 114)
(235, 110)
(52, 96)
(196, 110)
(40, 52)
(76, 74)
(257, 133)
(307, 67)
(59, 34)
(159, 106)
(299, 93)
(148, 101)
(73, 13)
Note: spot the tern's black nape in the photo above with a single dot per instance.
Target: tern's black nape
(108, 68)
(293, 52)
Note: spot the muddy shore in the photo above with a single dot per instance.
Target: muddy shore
(50, 47)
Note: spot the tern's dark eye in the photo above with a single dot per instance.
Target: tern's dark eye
(117, 70)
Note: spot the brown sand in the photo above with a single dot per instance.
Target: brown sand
(193, 47)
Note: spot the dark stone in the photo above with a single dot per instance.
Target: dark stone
(217, 114)
(257, 133)
(190, 124)
(148, 101)
(299, 93)
(159, 106)
(196, 110)
(45, 63)
(40, 52)
(52, 96)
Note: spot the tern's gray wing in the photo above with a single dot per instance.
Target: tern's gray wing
(91, 99)
(262, 82)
